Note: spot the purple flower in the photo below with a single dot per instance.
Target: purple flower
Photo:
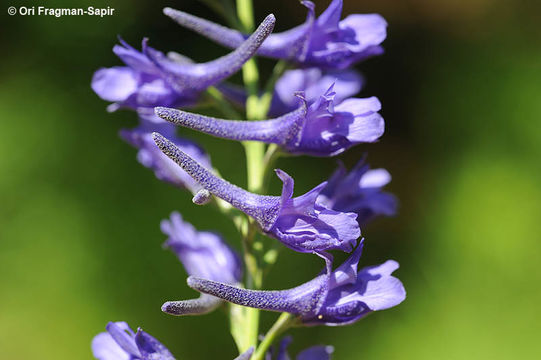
(247, 355)
(300, 223)
(121, 343)
(322, 129)
(312, 353)
(327, 42)
(313, 82)
(318, 352)
(203, 254)
(359, 191)
(152, 158)
(153, 79)
(338, 297)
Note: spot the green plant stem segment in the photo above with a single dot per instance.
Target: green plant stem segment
(245, 321)
(247, 336)
(227, 109)
(283, 323)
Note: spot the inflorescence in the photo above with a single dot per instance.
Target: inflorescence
(307, 108)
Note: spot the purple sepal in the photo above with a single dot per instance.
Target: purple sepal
(152, 78)
(338, 297)
(322, 129)
(300, 223)
(359, 191)
(121, 343)
(327, 42)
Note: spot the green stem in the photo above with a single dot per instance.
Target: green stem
(245, 12)
(254, 155)
(283, 323)
(224, 8)
(224, 105)
(265, 100)
(255, 151)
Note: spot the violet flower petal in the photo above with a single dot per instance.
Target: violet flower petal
(318, 352)
(150, 348)
(338, 297)
(313, 82)
(321, 130)
(197, 77)
(291, 44)
(152, 78)
(299, 223)
(359, 191)
(123, 336)
(325, 43)
(104, 347)
(121, 343)
(204, 254)
(114, 84)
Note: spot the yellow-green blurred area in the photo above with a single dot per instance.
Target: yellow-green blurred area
(80, 244)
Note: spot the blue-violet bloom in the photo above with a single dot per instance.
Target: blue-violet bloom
(153, 79)
(300, 223)
(359, 191)
(313, 82)
(325, 42)
(164, 168)
(321, 129)
(121, 343)
(203, 254)
(318, 352)
(338, 297)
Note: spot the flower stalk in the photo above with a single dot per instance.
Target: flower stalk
(284, 322)
(255, 169)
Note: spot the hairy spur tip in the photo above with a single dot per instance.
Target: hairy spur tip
(202, 197)
(160, 140)
(169, 11)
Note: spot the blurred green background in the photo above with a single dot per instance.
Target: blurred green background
(79, 218)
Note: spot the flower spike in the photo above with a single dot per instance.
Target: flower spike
(337, 297)
(327, 42)
(323, 129)
(300, 223)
